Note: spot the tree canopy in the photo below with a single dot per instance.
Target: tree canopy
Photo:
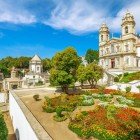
(92, 56)
(91, 73)
(46, 64)
(20, 63)
(81, 74)
(64, 66)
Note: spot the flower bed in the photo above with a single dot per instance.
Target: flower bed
(67, 102)
(107, 124)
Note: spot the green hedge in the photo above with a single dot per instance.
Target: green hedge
(3, 129)
(128, 77)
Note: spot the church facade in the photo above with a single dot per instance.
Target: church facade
(120, 53)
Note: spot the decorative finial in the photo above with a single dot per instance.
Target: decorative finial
(112, 35)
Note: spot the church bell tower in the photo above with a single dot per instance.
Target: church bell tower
(128, 25)
(103, 34)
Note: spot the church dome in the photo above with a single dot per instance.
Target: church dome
(104, 28)
(36, 58)
(128, 18)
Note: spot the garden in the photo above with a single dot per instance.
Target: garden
(113, 118)
(128, 77)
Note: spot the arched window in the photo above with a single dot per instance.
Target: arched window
(126, 29)
(127, 60)
(126, 48)
(101, 37)
(118, 48)
(112, 48)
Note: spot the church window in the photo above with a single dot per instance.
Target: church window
(127, 60)
(112, 48)
(101, 37)
(126, 48)
(126, 29)
(118, 48)
(107, 50)
(37, 68)
(118, 61)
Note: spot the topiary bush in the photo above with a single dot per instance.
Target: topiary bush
(36, 97)
(3, 129)
(59, 116)
(49, 109)
(116, 79)
(59, 112)
(128, 89)
(138, 87)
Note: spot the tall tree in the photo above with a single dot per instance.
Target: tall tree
(4, 70)
(92, 56)
(81, 74)
(64, 66)
(93, 73)
(46, 64)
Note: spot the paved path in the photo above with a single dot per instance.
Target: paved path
(11, 135)
(57, 130)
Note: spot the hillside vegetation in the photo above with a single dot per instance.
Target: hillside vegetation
(128, 77)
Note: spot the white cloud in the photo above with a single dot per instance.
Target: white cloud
(75, 16)
(134, 8)
(14, 13)
(78, 17)
(81, 16)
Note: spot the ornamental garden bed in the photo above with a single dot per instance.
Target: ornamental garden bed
(107, 123)
(112, 119)
(89, 115)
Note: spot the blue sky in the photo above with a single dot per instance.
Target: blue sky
(43, 27)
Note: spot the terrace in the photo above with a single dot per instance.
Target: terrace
(77, 107)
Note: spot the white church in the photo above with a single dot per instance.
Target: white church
(117, 54)
(35, 72)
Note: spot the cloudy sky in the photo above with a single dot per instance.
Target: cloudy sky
(43, 27)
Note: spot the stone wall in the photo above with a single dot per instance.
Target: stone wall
(25, 124)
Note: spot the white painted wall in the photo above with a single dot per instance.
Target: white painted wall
(122, 86)
(138, 51)
(2, 98)
(19, 121)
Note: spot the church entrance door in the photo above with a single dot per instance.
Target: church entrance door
(112, 63)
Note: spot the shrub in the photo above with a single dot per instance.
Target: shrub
(59, 119)
(126, 73)
(3, 129)
(36, 97)
(40, 83)
(59, 116)
(128, 89)
(85, 113)
(59, 111)
(49, 109)
(116, 79)
(48, 100)
(130, 77)
(138, 87)
(136, 103)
